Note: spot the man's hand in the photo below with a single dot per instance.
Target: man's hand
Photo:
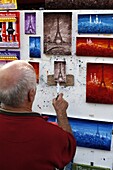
(60, 106)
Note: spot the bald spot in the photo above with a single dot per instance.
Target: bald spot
(12, 72)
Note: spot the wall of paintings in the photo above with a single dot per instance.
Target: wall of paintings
(74, 48)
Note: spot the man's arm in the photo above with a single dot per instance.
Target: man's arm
(60, 106)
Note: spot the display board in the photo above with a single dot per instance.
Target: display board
(60, 49)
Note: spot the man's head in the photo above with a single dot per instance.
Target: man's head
(17, 84)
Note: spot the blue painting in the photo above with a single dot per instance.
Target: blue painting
(95, 24)
(34, 46)
(92, 134)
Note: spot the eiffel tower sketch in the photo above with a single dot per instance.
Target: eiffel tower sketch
(58, 38)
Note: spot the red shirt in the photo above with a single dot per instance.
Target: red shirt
(28, 142)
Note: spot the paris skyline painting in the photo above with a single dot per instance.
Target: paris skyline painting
(89, 133)
(57, 33)
(99, 83)
(92, 134)
(97, 47)
(95, 24)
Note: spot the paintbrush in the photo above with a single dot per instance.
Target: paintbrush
(58, 89)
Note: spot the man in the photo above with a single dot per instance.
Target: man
(27, 141)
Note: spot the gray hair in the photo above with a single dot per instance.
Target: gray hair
(16, 94)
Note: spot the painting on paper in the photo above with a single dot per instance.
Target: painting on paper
(92, 134)
(95, 24)
(99, 83)
(57, 33)
(34, 47)
(30, 23)
(60, 71)
(97, 47)
(36, 67)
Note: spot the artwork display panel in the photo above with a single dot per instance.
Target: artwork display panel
(95, 24)
(30, 23)
(34, 47)
(57, 38)
(36, 67)
(99, 83)
(91, 46)
(9, 29)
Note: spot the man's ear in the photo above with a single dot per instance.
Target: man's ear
(31, 95)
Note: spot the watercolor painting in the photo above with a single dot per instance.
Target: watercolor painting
(91, 46)
(36, 67)
(60, 71)
(92, 134)
(95, 24)
(78, 4)
(34, 47)
(30, 23)
(57, 38)
(99, 83)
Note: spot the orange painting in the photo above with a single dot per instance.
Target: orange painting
(36, 67)
(99, 47)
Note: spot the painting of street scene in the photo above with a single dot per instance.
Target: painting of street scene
(99, 83)
(95, 23)
(91, 46)
(57, 33)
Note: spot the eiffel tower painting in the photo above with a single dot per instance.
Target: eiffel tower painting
(58, 38)
(102, 83)
(57, 33)
(30, 23)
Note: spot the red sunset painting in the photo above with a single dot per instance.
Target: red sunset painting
(99, 83)
(99, 47)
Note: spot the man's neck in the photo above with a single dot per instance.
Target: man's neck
(16, 109)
